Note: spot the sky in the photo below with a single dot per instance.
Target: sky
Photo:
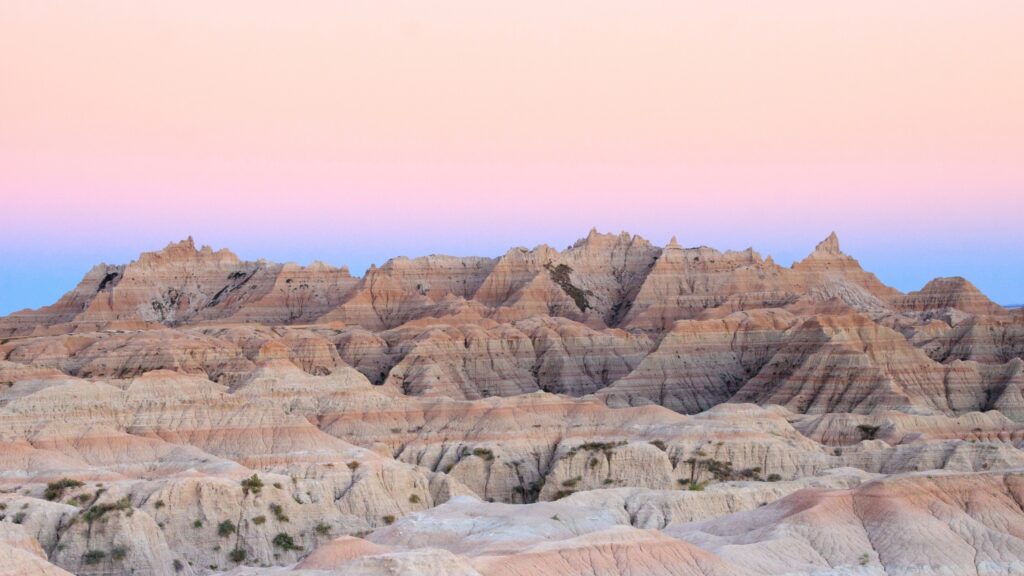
(351, 132)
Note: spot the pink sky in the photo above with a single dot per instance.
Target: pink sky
(351, 131)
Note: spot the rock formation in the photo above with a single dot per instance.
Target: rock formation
(615, 407)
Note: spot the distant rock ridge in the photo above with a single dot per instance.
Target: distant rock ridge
(602, 280)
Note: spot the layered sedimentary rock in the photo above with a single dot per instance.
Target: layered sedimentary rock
(614, 407)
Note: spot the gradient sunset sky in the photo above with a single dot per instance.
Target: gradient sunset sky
(354, 131)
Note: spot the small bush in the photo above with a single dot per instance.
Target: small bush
(868, 432)
(94, 556)
(414, 499)
(572, 482)
(484, 453)
(197, 524)
(278, 485)
(323, 529)
(252, 484)
(237, 555)
(119, 553)
(159, 504)
(285, 542)
(259, 519)
(18, 518)
(226, 528)
(697, 487)
(177, 565)
(389, 519)
(97, 511)
(54, 490)
(774, 477)
(562, 494)
(353, 465)
(278, 513)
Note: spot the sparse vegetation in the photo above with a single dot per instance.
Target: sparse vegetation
(94, 556)
(197, 524)
(159, 504)
(259, 519)
(562, 494)
(865, 559)
(389, 519)
(237, 555)
(867, 431)
(278, 485)
(18, 518)
(97, 511)
(177, 565)
(353, 465)
(697, 486)
(323, 529)
(252, 484)
(226, 528)
(55, 490)
(484, 453)
(560, 275)
(414, 499)
(278, 513)
(774, 477)
(118, 553)
(285, 542)
(572, 482)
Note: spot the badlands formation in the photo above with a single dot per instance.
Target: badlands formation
(612, 408)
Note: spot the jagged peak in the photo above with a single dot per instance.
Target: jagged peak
(673, 243)
(829, 246)
(598, 239)
(184, 250)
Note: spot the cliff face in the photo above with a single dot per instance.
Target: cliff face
(608, 408)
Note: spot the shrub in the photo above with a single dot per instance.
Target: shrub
(414, 499)
(285, 542)
(484, 453)
(158, 504)
(353, 465)
(225, 528)
(697, 487)
(237, 555)
(177, 565)
(389, 519)
(98, 510)
(197, 524)
(593, 462)
(562, 494)
(19, 518)
(278, 513)
(259, 519)
(868, 432)
(54, 490)
(572, 482)
(252, 484)
(278, 485)
(119, 553)
(323, 529)
(94, 556)
(774, 477)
